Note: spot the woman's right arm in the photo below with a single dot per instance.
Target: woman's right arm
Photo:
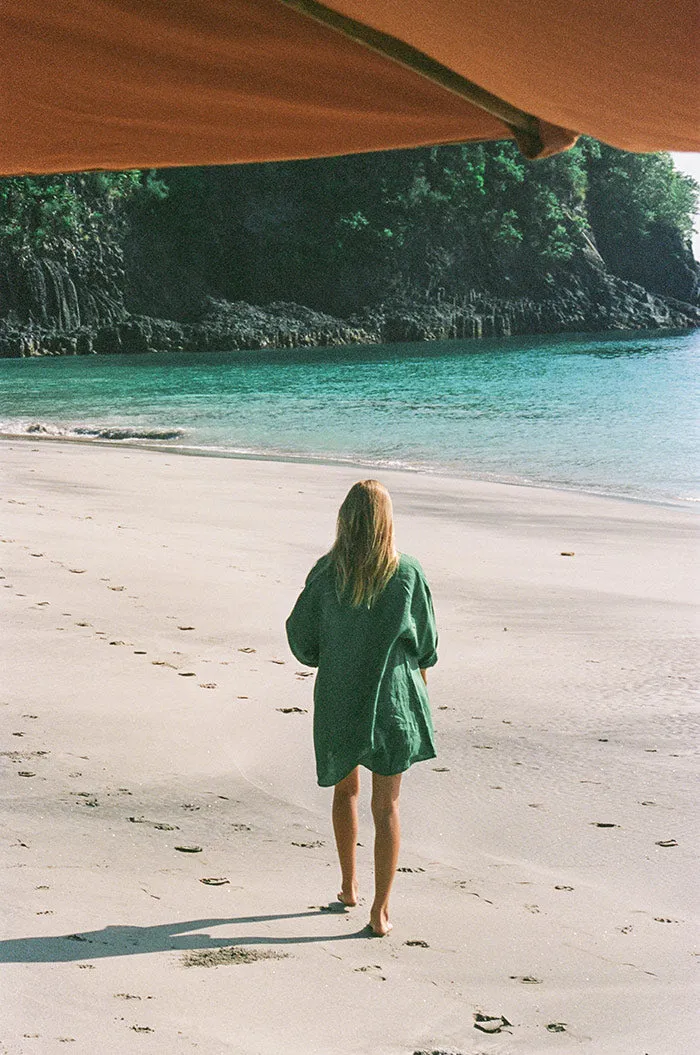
(424, 629)
(303, 627)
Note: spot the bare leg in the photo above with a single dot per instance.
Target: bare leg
(385, 810)
(345, 826)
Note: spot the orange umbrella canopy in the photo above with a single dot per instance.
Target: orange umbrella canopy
(120, 84)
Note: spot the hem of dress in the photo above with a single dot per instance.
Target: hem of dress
(418, 758)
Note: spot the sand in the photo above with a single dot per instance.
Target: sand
(150, 703)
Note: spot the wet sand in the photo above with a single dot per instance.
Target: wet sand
(167, 859)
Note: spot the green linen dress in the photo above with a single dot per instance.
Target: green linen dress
(370, 701)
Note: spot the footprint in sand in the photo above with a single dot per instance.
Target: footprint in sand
(207, 684)
(490, 1023)
(189, 849)
(464, 883)
(528, 979)
(186, 674)
(292, 710)
(311, 845)
(117, 589)
(186, 628)
(562, 887)
(405, 868)
(231, 954)
(215, 881)
(372, 969)
(160, 825)
(77, 571)
(247, 650)
(417, 943)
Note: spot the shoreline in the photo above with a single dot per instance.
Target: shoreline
(438, 472)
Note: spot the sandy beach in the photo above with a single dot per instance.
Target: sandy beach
(156, 733)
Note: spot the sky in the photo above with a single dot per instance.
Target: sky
(690, 163)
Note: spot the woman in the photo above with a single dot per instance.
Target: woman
(365, 619)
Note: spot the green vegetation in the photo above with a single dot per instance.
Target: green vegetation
(63, 216)
(341, 233)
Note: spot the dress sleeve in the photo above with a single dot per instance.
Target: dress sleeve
(423, 620)
(303, 627)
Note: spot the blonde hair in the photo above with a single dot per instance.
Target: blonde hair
(364, 556)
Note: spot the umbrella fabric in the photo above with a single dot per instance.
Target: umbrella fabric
(121, 84)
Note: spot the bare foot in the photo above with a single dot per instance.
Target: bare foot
(379, 923)
(348, 897)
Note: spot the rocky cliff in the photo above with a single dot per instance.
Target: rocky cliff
(339, 252)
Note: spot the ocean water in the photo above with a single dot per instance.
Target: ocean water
(616, 415)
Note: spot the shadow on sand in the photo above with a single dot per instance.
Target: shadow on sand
(124, 940)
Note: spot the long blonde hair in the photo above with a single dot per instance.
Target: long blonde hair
(364, 556)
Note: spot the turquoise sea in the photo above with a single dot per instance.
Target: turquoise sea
(615, 415)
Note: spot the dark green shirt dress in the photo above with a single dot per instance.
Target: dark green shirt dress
(370, 701)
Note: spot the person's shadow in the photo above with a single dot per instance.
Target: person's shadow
(125, 940)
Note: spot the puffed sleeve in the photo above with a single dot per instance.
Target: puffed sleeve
(303, 627)
(423, 623)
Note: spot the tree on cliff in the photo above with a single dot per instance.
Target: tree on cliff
(341, 234)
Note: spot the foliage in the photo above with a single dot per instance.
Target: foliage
(637, 204)
(68, 216)
(340, 233)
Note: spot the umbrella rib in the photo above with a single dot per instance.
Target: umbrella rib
(525, 125)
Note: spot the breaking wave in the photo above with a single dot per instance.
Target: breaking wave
(97, 432)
